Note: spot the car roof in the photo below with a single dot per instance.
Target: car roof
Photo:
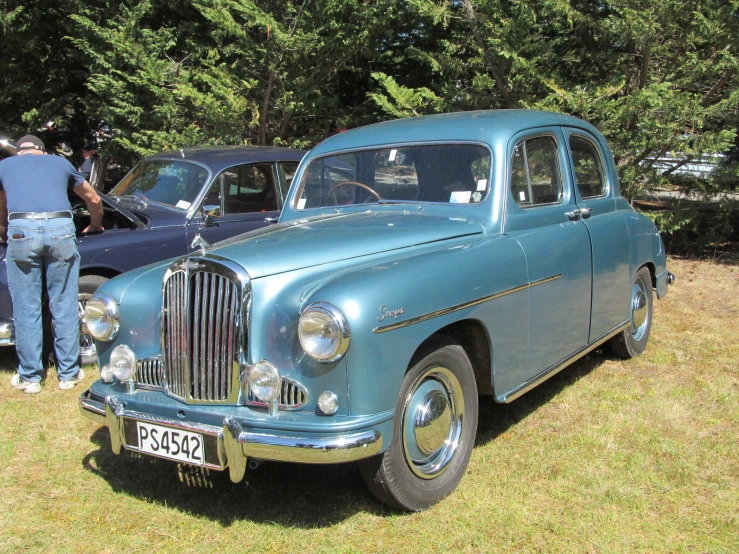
(488, 126)
(221, 157)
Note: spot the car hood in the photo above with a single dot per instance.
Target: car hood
(319, 240)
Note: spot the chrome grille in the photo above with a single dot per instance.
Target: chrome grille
(293, 395)
(149, 373)
(201, 329)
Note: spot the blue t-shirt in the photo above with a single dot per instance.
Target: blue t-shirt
(38, 183)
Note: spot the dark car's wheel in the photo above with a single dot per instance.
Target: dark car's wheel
(435, 427)
(632, 341)
(88, 285)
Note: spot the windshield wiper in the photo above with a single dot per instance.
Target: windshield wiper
(387, 201)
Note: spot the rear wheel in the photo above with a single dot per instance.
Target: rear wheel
(632, 341)
(435, 427)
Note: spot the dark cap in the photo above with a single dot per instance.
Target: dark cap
(89, 146)
(30, 142)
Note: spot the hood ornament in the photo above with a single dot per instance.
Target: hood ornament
(199, 242)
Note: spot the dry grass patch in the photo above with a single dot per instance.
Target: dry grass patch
(608, 456)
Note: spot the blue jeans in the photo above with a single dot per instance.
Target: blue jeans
(48, 248)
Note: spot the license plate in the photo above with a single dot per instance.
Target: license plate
(174, 444)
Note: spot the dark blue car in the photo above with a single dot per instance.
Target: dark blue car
(161, 206)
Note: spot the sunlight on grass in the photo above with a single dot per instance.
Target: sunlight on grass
(608, 456)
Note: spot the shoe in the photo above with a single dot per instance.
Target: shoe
(26, 386)
(66, 385)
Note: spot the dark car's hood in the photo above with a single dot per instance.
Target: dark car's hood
(158, 214)
(315, 241)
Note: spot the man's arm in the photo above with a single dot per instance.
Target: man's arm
(3, 217)
(94, 206)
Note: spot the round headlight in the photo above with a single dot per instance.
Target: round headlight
(123, 363)
(102, 318)
(265, 381)
(323, 332)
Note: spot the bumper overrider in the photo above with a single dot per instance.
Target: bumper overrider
(230, 446)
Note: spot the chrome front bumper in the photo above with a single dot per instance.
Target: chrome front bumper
(230, 446)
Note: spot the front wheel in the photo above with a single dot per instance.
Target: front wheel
(632, 341)
(435, 428)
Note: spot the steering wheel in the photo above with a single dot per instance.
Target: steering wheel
(353, 184)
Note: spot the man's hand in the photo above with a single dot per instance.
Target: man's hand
(93, 229)
(94, 206)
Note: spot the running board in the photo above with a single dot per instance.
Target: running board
(559, 366)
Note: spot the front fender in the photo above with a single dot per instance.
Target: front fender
(139, 296)
(421, 287)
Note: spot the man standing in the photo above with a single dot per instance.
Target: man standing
(42, 243)
(90, 156)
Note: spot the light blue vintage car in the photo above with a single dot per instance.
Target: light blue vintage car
(417, 263)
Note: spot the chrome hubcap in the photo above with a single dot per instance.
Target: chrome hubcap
(87, 343)
(432, 422)
(639, 309)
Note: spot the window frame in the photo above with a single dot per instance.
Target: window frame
(509, 190)
(293, 203)
(606, 181)
(220, 181)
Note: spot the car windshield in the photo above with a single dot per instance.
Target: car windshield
(174, 183)
(447, 173)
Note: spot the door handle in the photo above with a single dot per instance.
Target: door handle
(579, 213)
(271, 219)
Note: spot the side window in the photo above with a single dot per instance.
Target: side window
(287, 174)
(249, 188)
(535, 175)
(588, 168)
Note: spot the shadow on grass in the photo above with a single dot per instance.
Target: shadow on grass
(494, 419)
(284, 494)
(290, 495)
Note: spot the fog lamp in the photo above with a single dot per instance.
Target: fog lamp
(102, 318)
(265, 381)
(123, 363)
(328, 402)
(106, 374)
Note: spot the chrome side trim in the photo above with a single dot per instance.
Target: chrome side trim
(451, 309)
(235, 445)
(559, 366)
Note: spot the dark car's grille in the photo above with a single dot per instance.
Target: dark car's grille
(149, 373)
(200, 333)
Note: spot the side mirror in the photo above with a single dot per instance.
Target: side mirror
(210, 211)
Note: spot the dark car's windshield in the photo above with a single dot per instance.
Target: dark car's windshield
(449, 173)
(174, 183)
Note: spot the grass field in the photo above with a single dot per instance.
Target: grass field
(607, 456)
